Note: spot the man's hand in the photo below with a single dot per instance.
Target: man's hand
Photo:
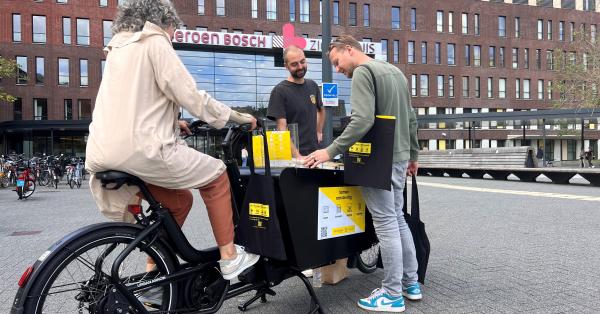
(316, 158)
(183, 126)
(253, 123)
(319, 137)
(413, 167)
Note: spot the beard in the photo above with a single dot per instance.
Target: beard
(299, 73)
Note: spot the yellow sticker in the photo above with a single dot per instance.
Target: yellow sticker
(385, 117)
(360, 148)
(257, 209)
(342, 230)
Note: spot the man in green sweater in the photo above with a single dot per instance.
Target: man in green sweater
(392, 99)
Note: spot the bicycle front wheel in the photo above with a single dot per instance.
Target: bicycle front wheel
(77, 278)
(29, 188)
(366, 261)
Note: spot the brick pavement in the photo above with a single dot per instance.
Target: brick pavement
(491, 253)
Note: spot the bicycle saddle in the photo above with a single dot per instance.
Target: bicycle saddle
(117, 177)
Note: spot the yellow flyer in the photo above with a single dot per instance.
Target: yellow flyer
(341, 212)
(279, 147)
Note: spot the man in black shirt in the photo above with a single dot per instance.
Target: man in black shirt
(298, 100)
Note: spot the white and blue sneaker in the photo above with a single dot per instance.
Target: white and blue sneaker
(381, 301)
(412, 292)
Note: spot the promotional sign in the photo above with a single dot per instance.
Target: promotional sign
(341, 212)
(280, 147)
(330, 94)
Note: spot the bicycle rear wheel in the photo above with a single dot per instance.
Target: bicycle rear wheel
(366, 261)
(29, 188)
(69, 282)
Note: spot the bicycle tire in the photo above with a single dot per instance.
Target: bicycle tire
(44, 179)
(79, 184)
(30, 188)
(89, 289)
(366, 261)
(56, 183)
(72, 183)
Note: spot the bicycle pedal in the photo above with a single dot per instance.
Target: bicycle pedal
(248, 275)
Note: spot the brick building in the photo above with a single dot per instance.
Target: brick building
(461, 56)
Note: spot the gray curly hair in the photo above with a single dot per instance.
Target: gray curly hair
(133, 14)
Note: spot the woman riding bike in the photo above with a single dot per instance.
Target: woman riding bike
(135, 128)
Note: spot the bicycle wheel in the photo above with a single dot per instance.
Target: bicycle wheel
(29, 188)
(56, 183)
(70, 284)
(72, 183)
(79, 184)
(44, 179)
(366, 261)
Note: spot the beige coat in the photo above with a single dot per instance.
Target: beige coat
(134, 124)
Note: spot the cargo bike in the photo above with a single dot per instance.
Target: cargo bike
(100, 268)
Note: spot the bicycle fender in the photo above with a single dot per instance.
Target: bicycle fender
(42, 261)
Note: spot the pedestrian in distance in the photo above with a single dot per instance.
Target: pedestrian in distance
(392, 99)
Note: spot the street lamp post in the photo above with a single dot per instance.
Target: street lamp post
(326, 69)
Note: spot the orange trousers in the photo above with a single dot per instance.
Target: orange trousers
(217, 198)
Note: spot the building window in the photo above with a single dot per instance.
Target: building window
(39, 29)
(451, 86)
(439, 17)
(518, 88)
(501, 56)
(413, 19)
(502, 88)
(120, 2)
(352, 17)
(502, 26)
(396, 51)
(450, 22)
(424, 85)
(271, 10)
(561, 30)
(492, 56)
(477, 56)
(477, 87)
(515, 58)
(255, 9)
(526, 88)
(593, 33)
(549, 90)
(68, 104)
(440, 86)
(22, 76)
(336, 13)
(540, 89)
(16, 28)
(476, 24)
(538, 59)
(201, 7)
(102, 65)
(490, 87)
(366, 22)
(450, 51)
(540, 29)
(220, 7)
(384, 49)
(305, 11)
(549, 29)
(83, 32)
(465, 23)
(567, 4)
(66, 30)
(18, 109)
(465, 87)
(526, 58)
(103, 3)
(468, 55)
(571, 31)
(63, 72)
(517, 27)
(292, 10)
(40, 109)
(411, 52)
(589, 5)
(39, 70)
(413, 85)
(438, 53)
(395, 17)
(85, 109)
(424, 52)
(83, 73)
(106, 32)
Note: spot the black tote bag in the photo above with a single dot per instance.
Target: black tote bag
(417, 228)
(258, 227)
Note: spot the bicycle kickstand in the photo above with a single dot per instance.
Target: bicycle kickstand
(260, 294)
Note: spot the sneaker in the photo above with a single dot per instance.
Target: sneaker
(232, 268)
(308, 273)
(381, 301)
(413, 292)
(152, 297)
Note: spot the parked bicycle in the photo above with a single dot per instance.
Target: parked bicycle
(25, 182)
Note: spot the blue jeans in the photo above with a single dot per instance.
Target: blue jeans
(395, 240)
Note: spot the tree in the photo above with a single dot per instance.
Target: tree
(8, 68)
(578, 76)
